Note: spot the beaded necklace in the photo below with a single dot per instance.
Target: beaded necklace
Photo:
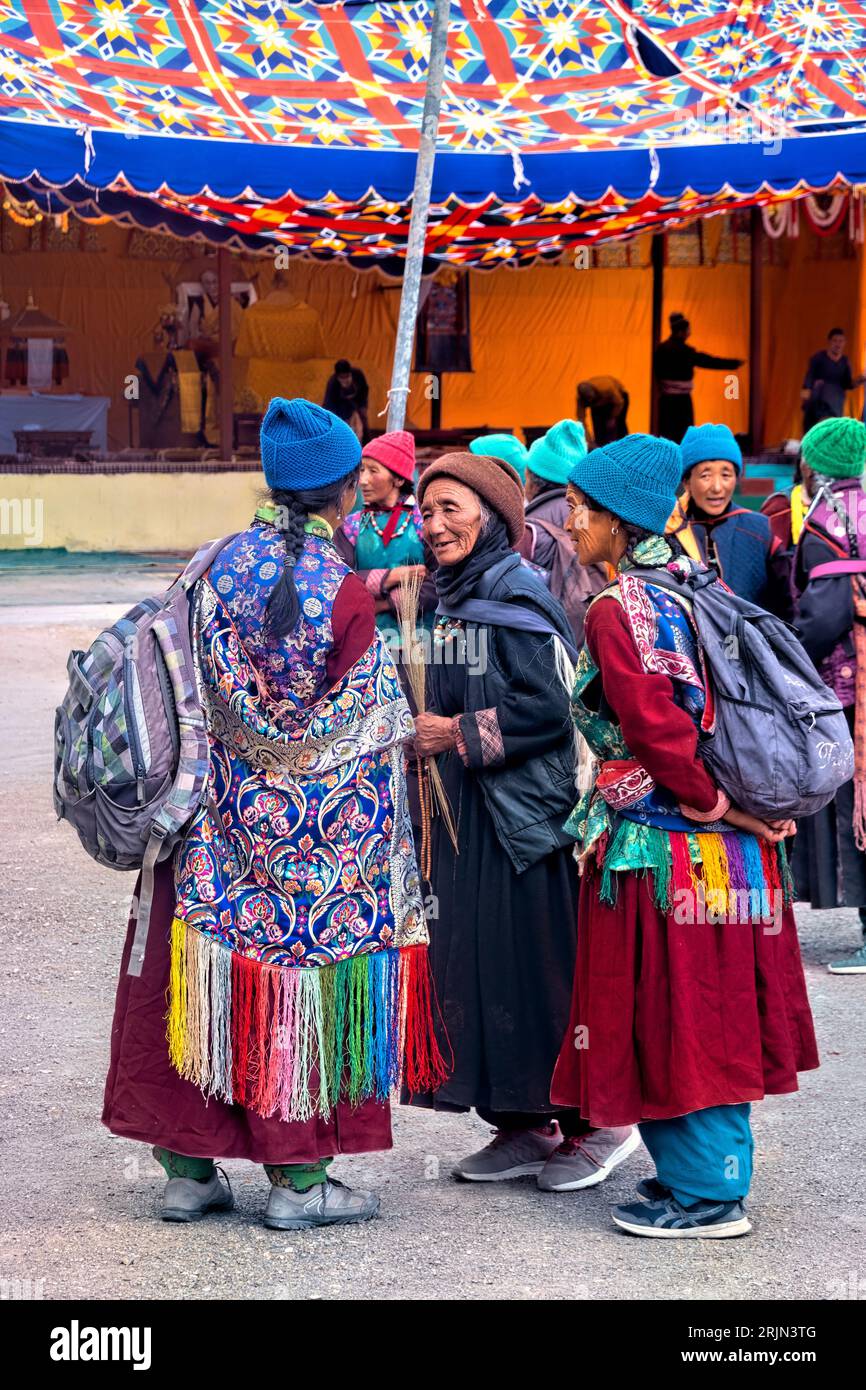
(368, 518)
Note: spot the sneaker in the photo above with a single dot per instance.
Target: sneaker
(666, 1218)
(853, 965)
(653, 1190)
(185, 1199)
(329, 1203)
(587, 1159)
(511, 1153)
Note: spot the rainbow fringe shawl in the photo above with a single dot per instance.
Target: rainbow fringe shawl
(722, 867)
(293, 1042)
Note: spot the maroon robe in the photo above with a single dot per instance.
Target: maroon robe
(146, 1099)
(679, 1016)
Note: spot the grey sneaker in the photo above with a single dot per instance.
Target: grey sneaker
(666, 1218)
(511, 1153)
(587, 1159)
(329, 1203)
(185, 1199)
(855, 964)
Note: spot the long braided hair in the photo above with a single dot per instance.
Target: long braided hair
(292, 512)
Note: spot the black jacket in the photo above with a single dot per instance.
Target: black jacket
(530, 791)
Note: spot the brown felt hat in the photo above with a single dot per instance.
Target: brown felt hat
(493, 479)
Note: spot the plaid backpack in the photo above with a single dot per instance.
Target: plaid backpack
(130, 744)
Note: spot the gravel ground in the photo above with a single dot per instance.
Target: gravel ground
(78, 1207)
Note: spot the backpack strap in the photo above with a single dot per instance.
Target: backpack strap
(831, 569)
(200, 564)
(145, 901)
(192, 752)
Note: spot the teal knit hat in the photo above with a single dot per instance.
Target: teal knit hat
(501, 446)
(636, 478)
(555, 453)
(305, 447)
(836, 447)
(702, 442)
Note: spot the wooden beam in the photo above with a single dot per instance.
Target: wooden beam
(657, 261)
(756, 335)
(226, 391)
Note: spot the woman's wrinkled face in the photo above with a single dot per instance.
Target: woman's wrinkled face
(592, 533)
(711, 485)
(378, 485)
(451, 513)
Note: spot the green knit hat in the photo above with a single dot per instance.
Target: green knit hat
(502, 446)
(553, 456)
(836, 446)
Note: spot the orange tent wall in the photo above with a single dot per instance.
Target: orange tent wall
(535, 333)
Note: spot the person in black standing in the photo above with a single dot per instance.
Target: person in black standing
(347, 396)
(828, 377)
(674, 363)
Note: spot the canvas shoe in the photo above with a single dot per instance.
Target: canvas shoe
(587, 1159)
(667, 1219)
(329, 1203)
(853, 965)
(185, 1199)
(511, 1153)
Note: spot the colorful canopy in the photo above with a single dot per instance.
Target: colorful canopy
(263, 120)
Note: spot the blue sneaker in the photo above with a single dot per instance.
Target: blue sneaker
(667, 1219)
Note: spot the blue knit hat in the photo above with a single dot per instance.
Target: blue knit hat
(555, 453)
(636, 478)
(702, 442)
(501, 446)
(305, 447)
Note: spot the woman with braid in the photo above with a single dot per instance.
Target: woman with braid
(689, 1000)
(290, 933)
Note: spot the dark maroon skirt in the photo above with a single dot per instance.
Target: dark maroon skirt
(674, 1018)
(146, 1099)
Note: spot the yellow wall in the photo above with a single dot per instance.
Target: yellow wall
(535, 332)
(125, 511)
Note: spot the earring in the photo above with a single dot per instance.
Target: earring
(614, 530)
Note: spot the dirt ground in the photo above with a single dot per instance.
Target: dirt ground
(78, 1208)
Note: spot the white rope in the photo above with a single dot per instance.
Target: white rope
(392, 391)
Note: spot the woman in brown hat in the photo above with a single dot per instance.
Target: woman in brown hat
(503, 942)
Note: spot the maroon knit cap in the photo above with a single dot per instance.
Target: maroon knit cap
(493, 479)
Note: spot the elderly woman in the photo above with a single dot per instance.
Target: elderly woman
(738, 543)
(383, 542)
(689, 998)
(503, 941)
(288, 935)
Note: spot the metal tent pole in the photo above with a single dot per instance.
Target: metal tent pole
(418, 220)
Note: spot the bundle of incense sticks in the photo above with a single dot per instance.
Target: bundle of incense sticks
(430, 785)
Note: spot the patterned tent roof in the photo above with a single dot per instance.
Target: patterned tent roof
(263, 120)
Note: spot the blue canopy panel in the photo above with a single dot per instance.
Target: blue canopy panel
(356, 204)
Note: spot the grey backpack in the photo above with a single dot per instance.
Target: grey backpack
(130, 745)
(780, 747)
